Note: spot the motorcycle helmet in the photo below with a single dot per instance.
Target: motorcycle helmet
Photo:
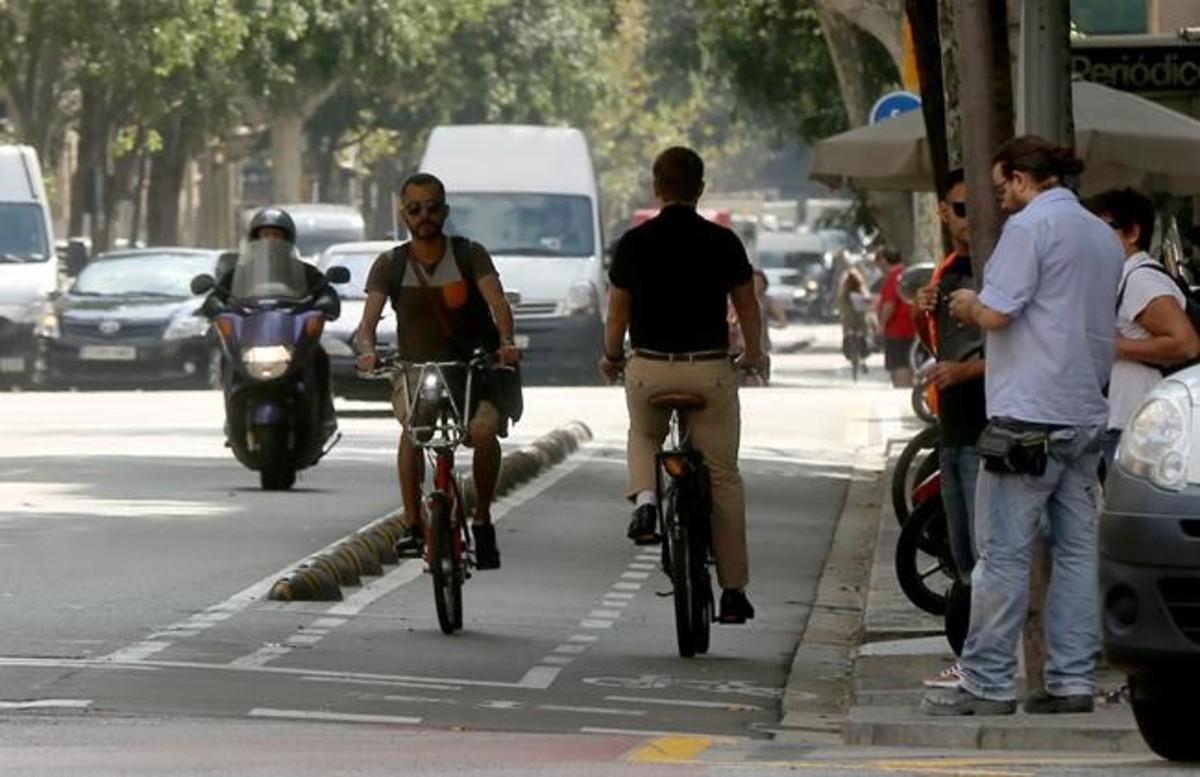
(273, 217)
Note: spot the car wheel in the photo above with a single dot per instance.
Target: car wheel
(1163, 708)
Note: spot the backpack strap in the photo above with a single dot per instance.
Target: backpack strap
(1150, 265)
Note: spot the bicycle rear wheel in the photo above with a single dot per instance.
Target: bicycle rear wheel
(680, 558)
(445, 565)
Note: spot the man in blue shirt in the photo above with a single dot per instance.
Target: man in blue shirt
(1048, 307)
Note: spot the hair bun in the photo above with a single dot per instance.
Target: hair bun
(1066, 162)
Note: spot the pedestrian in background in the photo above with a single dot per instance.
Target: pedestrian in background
(895, 321)
(1153, 330)
(1048, 307)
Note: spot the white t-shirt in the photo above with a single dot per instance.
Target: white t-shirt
(1131, 381)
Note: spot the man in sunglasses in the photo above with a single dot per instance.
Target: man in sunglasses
(448, 302)
(957, 378)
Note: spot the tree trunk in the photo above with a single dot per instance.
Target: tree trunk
(87, 188)
(949, 58)
(287, 139)
(166, 182)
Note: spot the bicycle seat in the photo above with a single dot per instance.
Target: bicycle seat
(673, 400)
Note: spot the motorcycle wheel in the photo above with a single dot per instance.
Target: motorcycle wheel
(277, 472)
(925, 578)
(902, 484)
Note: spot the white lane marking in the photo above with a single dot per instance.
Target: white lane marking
(619, 595)
(572, 649)
(635, 575)
(389, 683)
(649, 557)
(500, 704)
(327, 623)
(648, 566)
(589, 623)
(38, 704)
(612, 614)
(591, 710)
(637, 732)
(619, 603)
(627, 586)
(558, 660)
(138, 651)
(540, 677)
(260, 657)
(340, 717)
(305, 639)
(714, 705)
(581, 638)
(314, 632)
(416, 699)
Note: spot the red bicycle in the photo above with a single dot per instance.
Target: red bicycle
(438, 426)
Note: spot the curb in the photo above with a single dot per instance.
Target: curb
(365, 552)
(819, 684)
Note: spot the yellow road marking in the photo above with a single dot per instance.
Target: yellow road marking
(671, 750)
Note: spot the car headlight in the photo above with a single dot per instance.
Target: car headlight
(1156, 443)
(813, 285)
(336, 346)
(46, 325)
(186, 325)
(800, 293)
(266, 362)
(581, 299)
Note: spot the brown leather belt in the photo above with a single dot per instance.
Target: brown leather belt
(695, 356)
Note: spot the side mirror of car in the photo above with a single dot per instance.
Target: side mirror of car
(337, 275)
(513, 298)
(77, 257)
(202, 284)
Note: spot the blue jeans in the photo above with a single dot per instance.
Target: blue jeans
(1009, 509)
(960, 472)
(1109, 442)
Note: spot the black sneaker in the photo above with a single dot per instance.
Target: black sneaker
(643, 529)
(1042, 702)
(735, 607)
(487, 555)
(412, 544)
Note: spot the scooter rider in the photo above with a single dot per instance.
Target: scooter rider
(272, 223)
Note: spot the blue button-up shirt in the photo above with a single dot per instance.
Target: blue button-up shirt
(1055, 273)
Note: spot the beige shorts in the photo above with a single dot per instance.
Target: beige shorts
(486, 413)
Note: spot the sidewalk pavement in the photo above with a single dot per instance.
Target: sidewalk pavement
(863, 627)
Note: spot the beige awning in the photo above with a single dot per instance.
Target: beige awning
(1123, 139)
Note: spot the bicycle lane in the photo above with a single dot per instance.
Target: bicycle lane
(568, 636)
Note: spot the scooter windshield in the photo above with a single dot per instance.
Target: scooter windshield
(269, 269)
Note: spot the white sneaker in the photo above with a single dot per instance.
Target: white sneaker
(949, 677)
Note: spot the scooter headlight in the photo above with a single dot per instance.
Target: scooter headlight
(1155, 444)
(266, 362)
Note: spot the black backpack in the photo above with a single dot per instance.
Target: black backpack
(1191, 307)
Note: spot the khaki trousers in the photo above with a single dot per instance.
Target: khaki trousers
(715, 431)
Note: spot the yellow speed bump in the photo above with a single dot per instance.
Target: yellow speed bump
(673, 749)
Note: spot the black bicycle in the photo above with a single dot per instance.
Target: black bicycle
(684, 489)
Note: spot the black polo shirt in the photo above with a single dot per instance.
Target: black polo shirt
(679, 267)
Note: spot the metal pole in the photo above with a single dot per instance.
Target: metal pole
(1045, 80)
(984, 105)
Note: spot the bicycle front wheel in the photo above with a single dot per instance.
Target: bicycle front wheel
(445, 565)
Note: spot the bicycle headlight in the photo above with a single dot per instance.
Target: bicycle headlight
(266, 362)
(1156, 443)
(431, 388)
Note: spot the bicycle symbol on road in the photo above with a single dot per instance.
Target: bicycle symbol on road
(652, 682)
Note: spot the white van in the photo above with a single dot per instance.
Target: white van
(28, 264)
(529, 195)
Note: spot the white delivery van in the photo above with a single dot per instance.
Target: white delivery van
(28, 263)
(529, 195)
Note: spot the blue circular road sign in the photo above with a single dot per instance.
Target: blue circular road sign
(893, 104)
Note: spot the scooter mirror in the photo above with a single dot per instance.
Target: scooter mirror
(338, 275)
(202, 284)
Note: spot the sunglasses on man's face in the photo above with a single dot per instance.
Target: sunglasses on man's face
(432, 207)
(959, 208)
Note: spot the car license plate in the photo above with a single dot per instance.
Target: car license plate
(521, 341)
(12, 364)
(108, 353)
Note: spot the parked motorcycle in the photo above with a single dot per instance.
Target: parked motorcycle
(275, 376)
